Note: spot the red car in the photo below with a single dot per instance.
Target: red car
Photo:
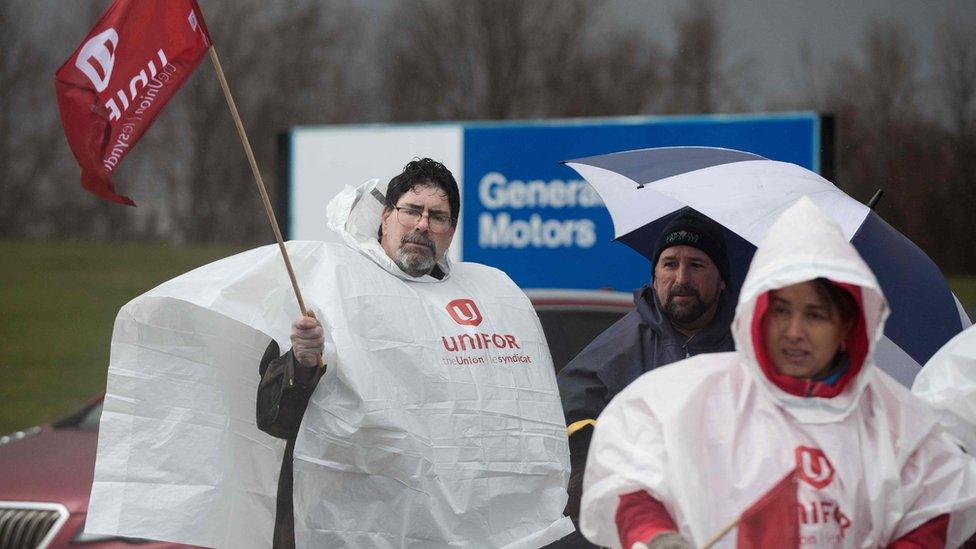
(46, 472)
(45, 478)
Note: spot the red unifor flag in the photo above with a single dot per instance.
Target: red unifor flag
(112, 87)
(772, 521)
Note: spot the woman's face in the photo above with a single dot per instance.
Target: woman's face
(802, 331)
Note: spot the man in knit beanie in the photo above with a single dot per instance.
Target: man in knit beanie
(684, 311)
(691, 269)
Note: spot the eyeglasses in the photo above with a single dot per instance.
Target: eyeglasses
(437, 222)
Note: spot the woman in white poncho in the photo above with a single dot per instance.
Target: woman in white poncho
(799, 411)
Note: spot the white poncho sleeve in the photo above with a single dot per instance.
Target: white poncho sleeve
(627, 454)
(938, 479)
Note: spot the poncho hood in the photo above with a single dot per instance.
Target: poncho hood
(805, 244)
(715, 437)
(355, 215)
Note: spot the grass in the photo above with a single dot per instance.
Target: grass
(965, 289)
(58, 302)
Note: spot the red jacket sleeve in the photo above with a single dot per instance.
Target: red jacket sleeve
(930, 534)
(640, 517)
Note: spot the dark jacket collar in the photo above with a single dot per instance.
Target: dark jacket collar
(715, 335)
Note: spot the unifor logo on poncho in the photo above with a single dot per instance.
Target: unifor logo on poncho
(825, 515)
(466, 312)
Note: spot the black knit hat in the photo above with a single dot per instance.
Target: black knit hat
(689, 228)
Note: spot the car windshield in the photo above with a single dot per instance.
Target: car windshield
(568, 331)
(89, 421)
(85, 419)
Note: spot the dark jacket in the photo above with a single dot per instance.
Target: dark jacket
(637, 343)
(283, 395)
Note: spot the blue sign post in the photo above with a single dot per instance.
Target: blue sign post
(538, 221)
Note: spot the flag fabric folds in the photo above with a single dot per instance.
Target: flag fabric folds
(772, 521)
(115, 84)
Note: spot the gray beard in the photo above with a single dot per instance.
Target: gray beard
(414, 263)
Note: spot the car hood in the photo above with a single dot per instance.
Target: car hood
(56, 466)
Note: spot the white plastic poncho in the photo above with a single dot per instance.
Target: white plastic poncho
(437, 423)
(709, 435)
(948, 384)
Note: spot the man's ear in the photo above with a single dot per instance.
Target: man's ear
(383, 216)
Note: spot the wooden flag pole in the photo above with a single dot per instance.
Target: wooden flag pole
(721, 533)
(258, 181)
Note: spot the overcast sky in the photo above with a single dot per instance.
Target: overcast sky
(770, 32)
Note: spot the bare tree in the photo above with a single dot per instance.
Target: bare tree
(885, 141)
(17, 63)
(954, 60)
(30, 142)
(285, 66)
(876, 94)
(503, 59)
(622, 76)
(888, 74)
(700, 77)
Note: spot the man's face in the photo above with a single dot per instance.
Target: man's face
(414, 245)
(687, 284)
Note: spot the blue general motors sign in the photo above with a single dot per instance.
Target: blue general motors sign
(522, 211)
(538, 221)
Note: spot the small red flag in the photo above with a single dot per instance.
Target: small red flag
(115, 84)
(772, 521)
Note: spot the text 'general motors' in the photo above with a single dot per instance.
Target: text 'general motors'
(502, 230)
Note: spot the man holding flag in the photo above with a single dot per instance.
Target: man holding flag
(437, 420)
(433, 418)
(115, 84)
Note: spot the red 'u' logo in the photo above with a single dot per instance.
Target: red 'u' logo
(464, 312)
(814, 467)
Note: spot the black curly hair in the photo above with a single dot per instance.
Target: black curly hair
(424, 172)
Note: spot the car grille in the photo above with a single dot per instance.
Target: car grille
(28, 525)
